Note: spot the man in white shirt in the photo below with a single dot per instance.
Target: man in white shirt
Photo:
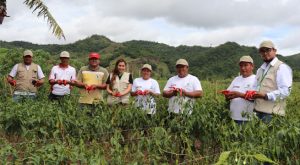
(242, 109)
(182, 89)
(62, 77)
(144, 88)
(274, 82)
(26, 77)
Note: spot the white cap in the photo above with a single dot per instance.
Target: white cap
(65, 54)
(182, 62)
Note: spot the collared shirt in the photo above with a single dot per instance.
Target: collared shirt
(284, 80)
(59, 73)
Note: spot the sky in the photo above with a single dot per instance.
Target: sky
(173, 22)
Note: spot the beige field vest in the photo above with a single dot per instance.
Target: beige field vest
(267, 84)
(120, 85)
(24, 78)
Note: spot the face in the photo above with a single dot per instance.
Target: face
(146, 73)
(27, 60)
(121, 67)
(246, 69)
(64, 60)
(94, 62)
(267, 54)
(182, 70)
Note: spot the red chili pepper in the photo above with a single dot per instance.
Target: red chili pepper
(249, 94)
(89, 88)
(176, 89)
(65, 82)
(145, 93)
(118, 94)
(224, 92)
(13, 82)
(59, 82)
(142, 93)
(139, 92)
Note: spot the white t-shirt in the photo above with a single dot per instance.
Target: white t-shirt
(147, 102)
(189, 83)
(58, 73)
(240, 107)
(14, 70)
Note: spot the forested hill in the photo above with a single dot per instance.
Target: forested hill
(205, 62)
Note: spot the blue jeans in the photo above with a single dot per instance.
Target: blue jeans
(240, 122)
(18, 98)
(265, 117)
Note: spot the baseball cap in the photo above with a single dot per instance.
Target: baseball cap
(27, 53)
(246, 59)
(147, 66)
(266, 44)
(64, 54)
(182, 62)
(94, 55)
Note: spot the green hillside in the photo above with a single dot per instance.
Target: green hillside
(205, 62)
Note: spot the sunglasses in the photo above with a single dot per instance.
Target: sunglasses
(265, 50)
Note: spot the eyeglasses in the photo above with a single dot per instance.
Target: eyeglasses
(265, 50)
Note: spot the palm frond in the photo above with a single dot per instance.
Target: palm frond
(38, 5)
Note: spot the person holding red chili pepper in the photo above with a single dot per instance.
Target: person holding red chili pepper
(119, 84)
(182, 89)
(62, 77)
(274, 83)
(145, 89)
(241, 91)
(91, 80)
(26, 78)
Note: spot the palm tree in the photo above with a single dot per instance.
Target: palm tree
(42, 9)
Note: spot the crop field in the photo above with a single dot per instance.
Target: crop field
(44, 132)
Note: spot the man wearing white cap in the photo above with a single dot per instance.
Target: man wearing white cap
(240, 107)
(62, 77)
(182, 89)
(26, 77)
(144, 88)
(274, 82)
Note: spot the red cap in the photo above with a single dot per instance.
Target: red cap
(94, 55)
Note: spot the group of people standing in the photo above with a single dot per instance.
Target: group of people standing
(182, 89)
(264, 93)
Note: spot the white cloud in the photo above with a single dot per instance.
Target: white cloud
(175, 22)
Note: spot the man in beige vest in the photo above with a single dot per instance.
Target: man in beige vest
(91, 79)
(25, 77)
(274, 82)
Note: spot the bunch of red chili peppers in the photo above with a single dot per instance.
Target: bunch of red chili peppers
(248, 95)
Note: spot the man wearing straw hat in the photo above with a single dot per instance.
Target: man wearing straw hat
(26, 77)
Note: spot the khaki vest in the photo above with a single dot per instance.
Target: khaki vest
(120, 85)
(24, 78)
(269, 84)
